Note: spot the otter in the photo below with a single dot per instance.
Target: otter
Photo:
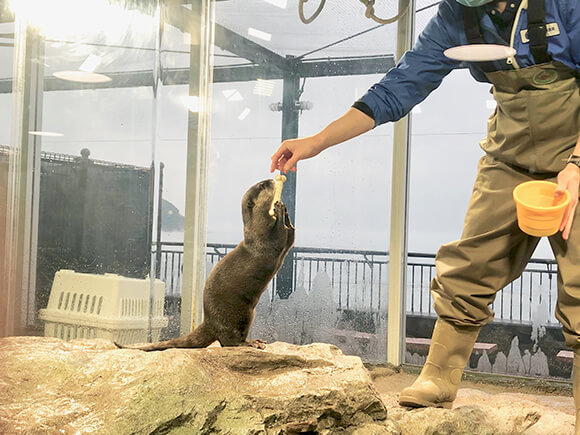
(237, 281)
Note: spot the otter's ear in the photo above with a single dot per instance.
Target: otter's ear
(250, 204)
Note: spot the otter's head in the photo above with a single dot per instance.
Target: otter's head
(256, 206)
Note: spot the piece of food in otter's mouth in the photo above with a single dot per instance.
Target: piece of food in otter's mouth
(280, 179)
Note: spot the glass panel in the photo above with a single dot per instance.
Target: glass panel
(102, 116)
(87, 177)
(333, 285)
(525, 338)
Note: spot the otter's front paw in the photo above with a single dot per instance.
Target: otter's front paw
(279, 211)
(287, 222)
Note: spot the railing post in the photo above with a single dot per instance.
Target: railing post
(159, 222)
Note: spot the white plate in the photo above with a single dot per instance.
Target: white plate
(479, 52)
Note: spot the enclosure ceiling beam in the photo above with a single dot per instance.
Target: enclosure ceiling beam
(318, 68)
(224, 74)
(346, 66)
(226, 39)
(230, 41)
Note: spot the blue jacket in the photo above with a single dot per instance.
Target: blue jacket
(422, 69)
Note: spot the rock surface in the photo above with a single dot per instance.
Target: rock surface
(51, 386)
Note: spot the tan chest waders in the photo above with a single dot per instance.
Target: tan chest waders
(532, 131)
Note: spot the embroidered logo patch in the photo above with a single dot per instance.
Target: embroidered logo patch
(552, 29)
(545, 77)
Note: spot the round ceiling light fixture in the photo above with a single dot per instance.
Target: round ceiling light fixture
(82, 76)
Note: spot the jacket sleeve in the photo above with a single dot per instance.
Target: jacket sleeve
(420, 70)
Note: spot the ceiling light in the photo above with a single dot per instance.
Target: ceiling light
(280, 3)
(244, 114)
(264, 87)
(232, 95)
(259, 34)
(45, 133)
(82, 76)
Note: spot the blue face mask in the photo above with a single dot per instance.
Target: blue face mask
(473, 3)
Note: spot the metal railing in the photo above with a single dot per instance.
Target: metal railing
(529, 297)
(359, 281)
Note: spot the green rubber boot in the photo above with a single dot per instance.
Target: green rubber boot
(576, 388)
(449, 352)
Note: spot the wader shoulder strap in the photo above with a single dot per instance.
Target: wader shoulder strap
(473, 34)
(537, 31)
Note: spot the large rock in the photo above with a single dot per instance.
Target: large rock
(52, 386)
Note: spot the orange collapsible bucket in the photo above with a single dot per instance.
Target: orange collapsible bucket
(539, 212)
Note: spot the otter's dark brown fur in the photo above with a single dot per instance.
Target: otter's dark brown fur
(236, 283)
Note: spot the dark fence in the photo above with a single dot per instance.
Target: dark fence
(94, 217)
(359, 280)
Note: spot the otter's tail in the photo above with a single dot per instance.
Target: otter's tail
(202, 336)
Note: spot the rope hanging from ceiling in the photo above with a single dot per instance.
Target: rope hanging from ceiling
(369, 12)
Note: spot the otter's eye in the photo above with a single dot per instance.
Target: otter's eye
(250, 204)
